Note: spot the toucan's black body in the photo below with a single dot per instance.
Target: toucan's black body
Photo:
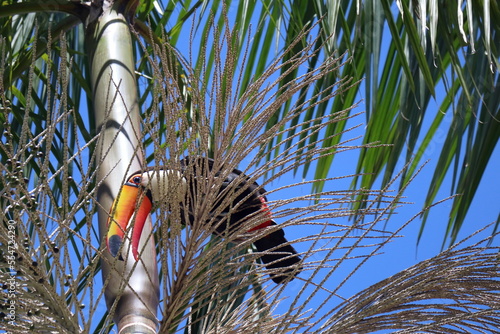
(249, 201)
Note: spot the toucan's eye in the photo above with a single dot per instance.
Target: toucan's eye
(136, 179)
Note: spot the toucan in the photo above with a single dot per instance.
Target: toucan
(235, 200)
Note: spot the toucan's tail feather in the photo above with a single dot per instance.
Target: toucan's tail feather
(278, 254)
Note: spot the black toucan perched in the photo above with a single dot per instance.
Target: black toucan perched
(154, 184)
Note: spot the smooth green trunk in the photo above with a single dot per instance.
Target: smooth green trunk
(131, 287)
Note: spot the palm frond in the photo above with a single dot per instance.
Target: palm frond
(434, 296)
(48, 241)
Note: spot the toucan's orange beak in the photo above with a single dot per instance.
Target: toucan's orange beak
(132, 198)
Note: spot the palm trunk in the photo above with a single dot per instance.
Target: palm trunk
(131, 287)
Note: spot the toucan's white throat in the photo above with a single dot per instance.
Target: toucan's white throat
(165, 185)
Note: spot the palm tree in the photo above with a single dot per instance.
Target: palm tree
(147, 102)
